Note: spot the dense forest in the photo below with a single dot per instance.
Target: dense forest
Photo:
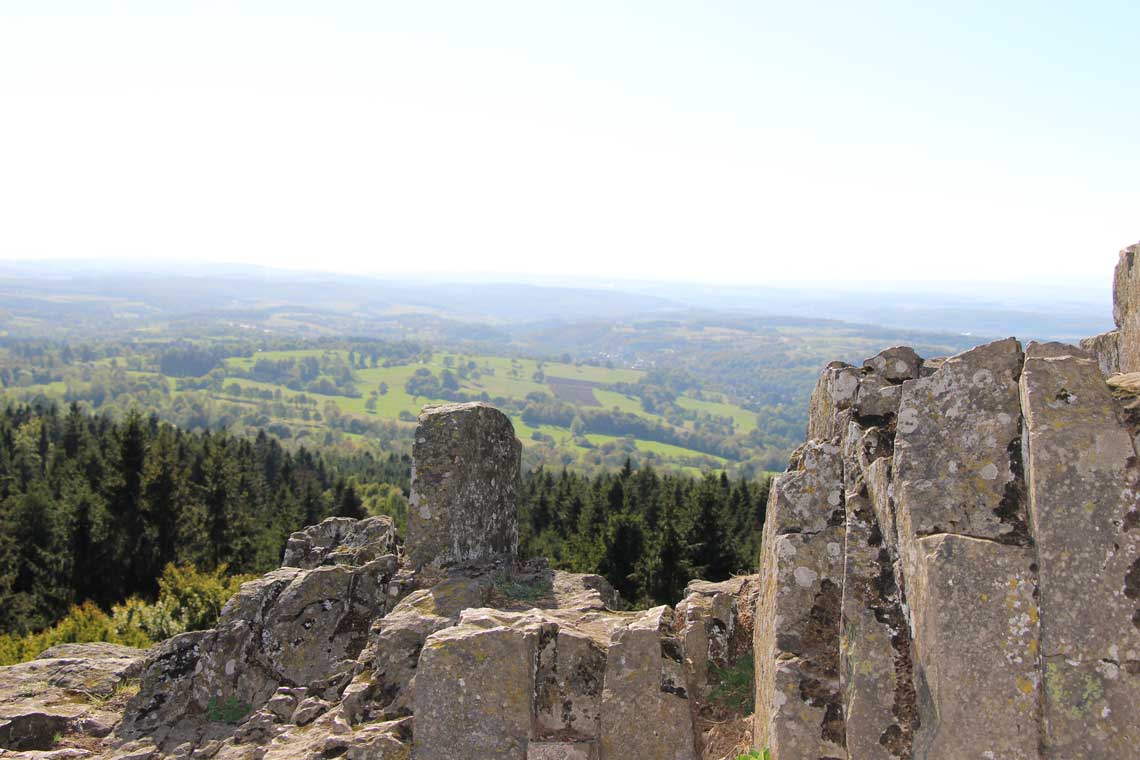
(94, 509)
(647, 533)
(97, 510)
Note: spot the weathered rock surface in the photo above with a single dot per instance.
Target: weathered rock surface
(293, 627)
(990, 562)
(341, 541)
(347, 651)
(1119, 350)
(798, 704)
(1084, 496)
(69, 692)
(464, 486)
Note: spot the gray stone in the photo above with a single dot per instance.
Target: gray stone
(1106, 349)
(879, 701)
(895, 364)
(398, 638)
(809, 498)
(957, 449)
(645, 703)
(799, 709)
(1126, 308)
(976, 636)
(309, 710)
(562, 751)
(877, 397)
(70, 689)
(465, 485)
(341, 541)
(1084, 498)
(835, 391)
(475, 691)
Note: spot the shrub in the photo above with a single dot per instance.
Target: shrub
(230, 710)
(526, 589)
(83, 623)
(734, 688)
(188, 600)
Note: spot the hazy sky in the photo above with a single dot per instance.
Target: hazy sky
(703, 141)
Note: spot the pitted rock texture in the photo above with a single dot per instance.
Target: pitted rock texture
(465, 485)
(67, 694)
(988, 575)
(341, 541)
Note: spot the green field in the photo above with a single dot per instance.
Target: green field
(507, 381)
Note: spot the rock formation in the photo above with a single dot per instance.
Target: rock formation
(464, 486)
(1119, 350)
(950, 568)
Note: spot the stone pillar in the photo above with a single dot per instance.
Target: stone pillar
(964, 549)
(1119, 350)
(465, 485)
(1084, 499)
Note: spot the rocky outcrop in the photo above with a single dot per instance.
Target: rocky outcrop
(1119, 350)
(950, 566)
(69, 695)
(350, 650)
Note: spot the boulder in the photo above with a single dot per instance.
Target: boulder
(341, 541)
(292, 627)
(465, 485)
(895, 365)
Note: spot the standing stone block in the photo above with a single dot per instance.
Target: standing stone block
(1084, 501)
(976, 637)
(879, 702)
(835, 391)
(465, 486)
(796, 635)
(474, 692)
(964, 552)
(1126, 308)
(799, 711)
(645, 702)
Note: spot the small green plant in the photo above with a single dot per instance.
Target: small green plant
(755, 754)
(524, 589)
(734, 688)
(230, 710)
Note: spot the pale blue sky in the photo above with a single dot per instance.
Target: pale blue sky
(736, 142)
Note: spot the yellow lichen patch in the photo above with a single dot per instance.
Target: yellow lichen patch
(1025, 685)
